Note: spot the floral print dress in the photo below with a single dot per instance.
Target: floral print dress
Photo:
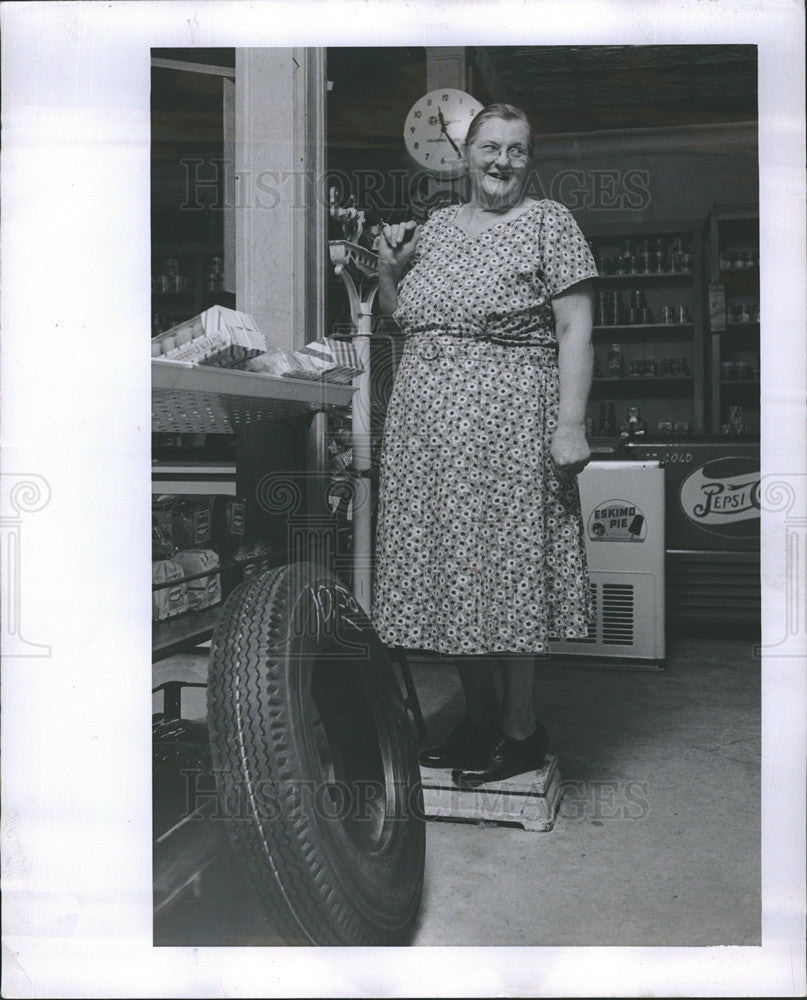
(479, 548)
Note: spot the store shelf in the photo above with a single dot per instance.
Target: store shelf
(663, 276)
(734, 229)
(672, 331)
(740, 327)
(198, 399)
(183, 632)
(633, 379)
(193, 478)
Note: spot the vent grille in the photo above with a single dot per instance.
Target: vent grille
(617, 614)
(591, 637)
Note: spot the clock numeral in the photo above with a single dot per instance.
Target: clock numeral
(444, 97)
(411, 128)
(442, 159)
(418, 114)
(417, 145)
(428, 155)
(473, 112)
(429, 103)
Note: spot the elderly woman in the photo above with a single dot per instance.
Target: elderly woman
(479, 543)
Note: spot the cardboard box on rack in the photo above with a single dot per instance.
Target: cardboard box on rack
(223, 337)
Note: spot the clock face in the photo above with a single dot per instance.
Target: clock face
(435, 130)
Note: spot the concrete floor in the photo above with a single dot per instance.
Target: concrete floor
(657, 841)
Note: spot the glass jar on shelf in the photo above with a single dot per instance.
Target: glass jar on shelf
(215, 275)
(616, 361)
(175, 282)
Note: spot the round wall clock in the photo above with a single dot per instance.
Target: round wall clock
(435, 130)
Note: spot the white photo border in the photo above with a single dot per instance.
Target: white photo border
(76, 761)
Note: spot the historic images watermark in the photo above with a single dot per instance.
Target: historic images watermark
(23, 493)
(220, 795)
(783, 501)
(210, 184)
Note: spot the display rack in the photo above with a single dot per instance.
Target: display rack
(194, 399)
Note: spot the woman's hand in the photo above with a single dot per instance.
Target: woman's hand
(397, 245)
(569, 450)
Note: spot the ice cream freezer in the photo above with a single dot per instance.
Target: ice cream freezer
(623, 509)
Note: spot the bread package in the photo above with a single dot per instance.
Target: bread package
(203, 591)
(167, 601)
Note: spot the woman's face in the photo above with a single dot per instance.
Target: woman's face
(498, 159)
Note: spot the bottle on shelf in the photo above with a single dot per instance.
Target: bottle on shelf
(634, 422)
(627, 262)
(600, 318)
(607, 419)
(616, 362)
(660, 257)
(646, 258)
(676, 255)
(638, 309)
(616, 309)
(686, 256)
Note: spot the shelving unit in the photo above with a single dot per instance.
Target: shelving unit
(735, 344)
(261, 411)
(660, 398)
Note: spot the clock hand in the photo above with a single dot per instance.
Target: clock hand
(445, 131)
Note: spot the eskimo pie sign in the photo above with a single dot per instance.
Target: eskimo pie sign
(617, 521)
(722, 497)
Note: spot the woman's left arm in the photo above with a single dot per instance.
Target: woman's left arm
(574, 310)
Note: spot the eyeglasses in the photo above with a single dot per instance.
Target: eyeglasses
(491, 151)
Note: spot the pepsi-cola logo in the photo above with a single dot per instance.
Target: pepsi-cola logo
(723, 496)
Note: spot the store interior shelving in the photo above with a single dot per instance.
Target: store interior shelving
(734, 318)
(648, 330)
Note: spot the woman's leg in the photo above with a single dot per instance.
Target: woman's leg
(478, 683)
(469, 743)
(518, 689)
(522, 743)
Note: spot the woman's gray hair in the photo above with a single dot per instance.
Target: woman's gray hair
(505, 112)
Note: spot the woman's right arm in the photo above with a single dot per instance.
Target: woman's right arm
(395, 253)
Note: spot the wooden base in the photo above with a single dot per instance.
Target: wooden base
(529, 799)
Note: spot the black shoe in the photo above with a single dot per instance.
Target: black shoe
(467, 746)
(506, 758)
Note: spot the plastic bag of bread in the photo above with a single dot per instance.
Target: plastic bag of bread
(274, 362)
(203, 591)
(168, 601)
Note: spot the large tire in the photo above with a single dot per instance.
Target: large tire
(315, 762)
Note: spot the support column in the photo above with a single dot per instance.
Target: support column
(280, 219)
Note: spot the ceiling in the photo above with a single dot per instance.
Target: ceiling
(568, 88)
(581, 88)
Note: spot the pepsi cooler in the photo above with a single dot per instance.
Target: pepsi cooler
(713, 529)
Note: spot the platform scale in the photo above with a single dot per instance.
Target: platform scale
(530, 800)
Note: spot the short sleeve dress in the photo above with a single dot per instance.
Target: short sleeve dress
(479, 548)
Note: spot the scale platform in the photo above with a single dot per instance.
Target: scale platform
(530, 799)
